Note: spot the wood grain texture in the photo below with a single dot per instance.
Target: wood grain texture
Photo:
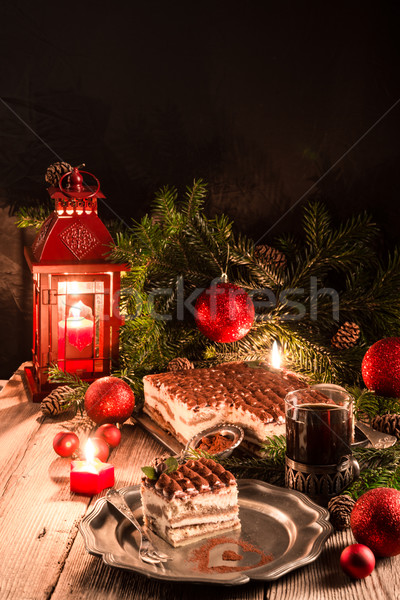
(37, 514)
(325, 580)
(42, 554)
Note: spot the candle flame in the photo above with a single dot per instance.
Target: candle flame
(89, 451)
(74, 287)
(75, 312)
(275, 356)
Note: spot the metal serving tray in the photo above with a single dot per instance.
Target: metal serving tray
(278, 521)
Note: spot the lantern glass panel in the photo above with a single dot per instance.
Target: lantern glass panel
(80, 326)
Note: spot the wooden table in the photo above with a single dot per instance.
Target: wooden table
(42, 554)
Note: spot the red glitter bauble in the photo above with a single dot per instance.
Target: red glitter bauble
(381, 367)
(101, 449)
(110, 434)
(357, 560)
(375, 521)
(65, 443)
(109, 400)
(224, 312)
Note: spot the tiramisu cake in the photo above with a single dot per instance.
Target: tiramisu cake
(187, 402)
(199, 498)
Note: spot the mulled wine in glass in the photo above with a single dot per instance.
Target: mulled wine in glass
(319, 433)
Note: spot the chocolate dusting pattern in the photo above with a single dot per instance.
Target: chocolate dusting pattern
(201, 556)
(257, 390)
(192, 478)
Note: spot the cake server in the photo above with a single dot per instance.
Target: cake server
(147, 552)
(378, 439)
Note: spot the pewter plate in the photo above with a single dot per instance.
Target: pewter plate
(278, 521)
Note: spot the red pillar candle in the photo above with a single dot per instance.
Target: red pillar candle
(79, 329)
(90, 476)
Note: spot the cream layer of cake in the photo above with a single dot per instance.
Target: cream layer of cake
(197, 499)
(187, 402)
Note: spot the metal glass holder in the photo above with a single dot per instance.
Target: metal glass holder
(321, 482)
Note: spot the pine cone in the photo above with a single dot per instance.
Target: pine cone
(270, 256)
(388, 423)
(340, 508)
(57, 401)
(346, 336)
(180, 364)
(81, 423)
(55, 172)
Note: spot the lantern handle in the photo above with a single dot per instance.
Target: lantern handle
(77, 190)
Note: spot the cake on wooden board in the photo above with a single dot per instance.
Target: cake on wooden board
(196, 500)
(187, 402)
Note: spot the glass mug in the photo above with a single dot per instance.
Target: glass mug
(319, 433)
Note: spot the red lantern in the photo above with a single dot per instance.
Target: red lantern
(76, 317)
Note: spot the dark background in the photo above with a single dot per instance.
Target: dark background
(259, 99)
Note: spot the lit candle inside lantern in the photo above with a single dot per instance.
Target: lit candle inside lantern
(275, 356)
(90, 476)
(79, 329)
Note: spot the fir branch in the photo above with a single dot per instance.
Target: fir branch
(76, 398)
(371, 298)
(32, 216)
(250, 270)
(250, 467)
(171, 220)
(71, 379)
(289, 245)
(203, 242)
(194, 198)
(380, 468)
(275, 448)
(328, 249)
(316, 224)
(367, 404)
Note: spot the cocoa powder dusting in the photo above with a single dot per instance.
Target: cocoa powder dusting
(231, 555)
(201, 556)
(215, 443)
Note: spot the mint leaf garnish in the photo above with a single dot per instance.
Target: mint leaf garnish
(150, 472)
(172, 464)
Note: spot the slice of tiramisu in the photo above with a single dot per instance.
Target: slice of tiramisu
(199, 498)
(187, 402)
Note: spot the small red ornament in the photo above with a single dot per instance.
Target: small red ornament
(65, 443)
(101, 449)
(110, 434)
(109, 400)
(375, 521)
(381, 367)
(357, 560)
(224, 312)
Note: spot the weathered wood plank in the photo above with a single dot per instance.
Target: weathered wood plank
(18, 423)
(324, 579)
(38, 516)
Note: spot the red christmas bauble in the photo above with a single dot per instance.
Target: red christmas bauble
(375, 521)
(381, 367)
(65, 443)
(224, 312)
(101, 449)
(109, 400)
(357, 561)
(110, 434)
